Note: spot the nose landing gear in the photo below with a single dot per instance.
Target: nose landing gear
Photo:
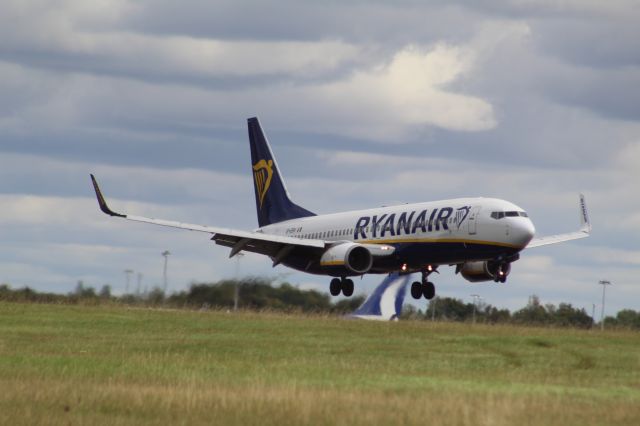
(341, 285)
(425, 288)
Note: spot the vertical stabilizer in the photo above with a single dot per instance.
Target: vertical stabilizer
(272, 199)
(385, 303)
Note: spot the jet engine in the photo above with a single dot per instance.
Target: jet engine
(355, 258)
(490, 270)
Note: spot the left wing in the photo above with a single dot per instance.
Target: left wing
(585, 230)
(275, 246)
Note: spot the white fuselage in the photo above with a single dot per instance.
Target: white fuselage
(438, 232)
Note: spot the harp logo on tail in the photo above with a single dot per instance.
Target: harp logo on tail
(262, 175)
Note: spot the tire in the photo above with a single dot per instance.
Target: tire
(429, 290)
(347, 287)
(335, 287)
(416, 290)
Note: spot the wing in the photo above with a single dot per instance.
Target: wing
(585, 230)
(275, 246)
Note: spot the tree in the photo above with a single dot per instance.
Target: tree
(82, 292)
(410, 312)
(534, 313)
(567, 315)
(495, 315)
(156, 296)
(105, 292)
(628, 318)
(348, 305)
(450, 309)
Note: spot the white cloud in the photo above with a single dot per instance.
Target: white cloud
(410, 90)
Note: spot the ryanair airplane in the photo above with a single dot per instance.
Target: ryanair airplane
(481, 237)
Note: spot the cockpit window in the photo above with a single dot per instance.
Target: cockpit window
(500, 215)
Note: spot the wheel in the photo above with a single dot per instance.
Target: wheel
(335, 286)
(347, 287)
(416, 290)
(429, 290)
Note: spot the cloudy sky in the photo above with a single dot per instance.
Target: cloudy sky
(365, 104)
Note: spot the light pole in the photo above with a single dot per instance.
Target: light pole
(165, 254)
(604, 284)
(433, 311)
(476, 298)
(236, 293)
(127, 274)
(139, 284)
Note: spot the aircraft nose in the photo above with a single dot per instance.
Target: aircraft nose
(525, 232)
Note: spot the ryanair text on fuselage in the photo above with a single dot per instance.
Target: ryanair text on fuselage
(379, 226)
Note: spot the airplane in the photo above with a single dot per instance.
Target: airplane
(481, 237)
(385, 303)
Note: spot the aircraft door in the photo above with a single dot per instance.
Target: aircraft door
(473, 220)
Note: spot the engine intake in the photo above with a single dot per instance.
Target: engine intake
(355, 258)
(490, 270)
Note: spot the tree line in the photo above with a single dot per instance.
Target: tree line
(534, 313)
(255, 293)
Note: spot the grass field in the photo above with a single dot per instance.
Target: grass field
(115, 365)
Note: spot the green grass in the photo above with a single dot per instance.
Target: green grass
(115, 365)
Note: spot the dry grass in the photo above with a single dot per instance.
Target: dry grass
(97, 365)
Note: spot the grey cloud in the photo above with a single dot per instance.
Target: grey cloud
(369, 22)
(610, 93)
(599, 42)
(170, 140)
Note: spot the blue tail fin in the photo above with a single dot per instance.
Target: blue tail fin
(385, 303)
(272, 199)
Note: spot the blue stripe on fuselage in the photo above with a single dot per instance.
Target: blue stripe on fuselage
(415, 254)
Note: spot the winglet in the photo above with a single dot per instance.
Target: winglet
(584, 216)
(101, 202)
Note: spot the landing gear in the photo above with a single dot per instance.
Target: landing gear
(424, 288)
(344, 286)
(335, 286)
(347, 287)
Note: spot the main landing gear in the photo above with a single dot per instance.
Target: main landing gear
(424, 288)
(341, 285)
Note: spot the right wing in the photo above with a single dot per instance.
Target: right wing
(275, 246)
(585, 230)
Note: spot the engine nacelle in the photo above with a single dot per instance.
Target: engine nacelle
(355, 258)
(485, 271)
